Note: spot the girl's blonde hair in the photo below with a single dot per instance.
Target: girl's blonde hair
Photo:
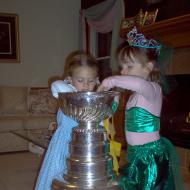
(144, 55)
(77, 59)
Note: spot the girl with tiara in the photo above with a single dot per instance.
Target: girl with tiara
(152, 162)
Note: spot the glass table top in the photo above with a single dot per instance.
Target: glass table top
(40, 137)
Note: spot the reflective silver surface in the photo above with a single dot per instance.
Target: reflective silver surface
(88, 106)
(89, 165)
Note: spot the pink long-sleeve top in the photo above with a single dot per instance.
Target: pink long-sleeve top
(147, 95)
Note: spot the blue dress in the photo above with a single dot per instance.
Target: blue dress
(54, 163)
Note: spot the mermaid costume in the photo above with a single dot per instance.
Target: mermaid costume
(151, 166)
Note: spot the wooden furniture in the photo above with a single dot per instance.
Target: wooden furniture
(174, 32)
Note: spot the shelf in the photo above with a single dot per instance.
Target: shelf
(174, 32)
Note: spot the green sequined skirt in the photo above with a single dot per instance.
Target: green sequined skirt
(152, 166)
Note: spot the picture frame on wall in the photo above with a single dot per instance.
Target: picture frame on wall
(9, 38)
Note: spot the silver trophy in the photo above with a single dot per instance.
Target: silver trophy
(89, 165)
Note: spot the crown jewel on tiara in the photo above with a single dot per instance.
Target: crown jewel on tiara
(138, 40)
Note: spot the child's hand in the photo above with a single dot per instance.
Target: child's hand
(106, 85)
(102, 88)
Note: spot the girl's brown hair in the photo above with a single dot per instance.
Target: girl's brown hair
(77, 59)
(144, 55)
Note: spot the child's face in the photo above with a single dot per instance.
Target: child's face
(132, 66)
(84, 78)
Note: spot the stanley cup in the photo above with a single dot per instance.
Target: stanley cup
(89, 165)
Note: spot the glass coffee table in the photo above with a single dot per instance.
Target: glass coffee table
(40, 137)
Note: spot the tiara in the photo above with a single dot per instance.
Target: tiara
(138, 40)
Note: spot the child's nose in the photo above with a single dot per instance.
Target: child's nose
(85, 85)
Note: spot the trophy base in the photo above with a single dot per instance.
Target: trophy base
(63, 185)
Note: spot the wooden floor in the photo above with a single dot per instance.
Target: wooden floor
(18, 171)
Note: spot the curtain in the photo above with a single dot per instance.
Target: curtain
(103, 18)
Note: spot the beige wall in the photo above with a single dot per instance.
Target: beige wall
(48, 31)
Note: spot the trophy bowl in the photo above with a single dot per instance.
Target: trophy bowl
(89, 106)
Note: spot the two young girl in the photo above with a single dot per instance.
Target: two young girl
(152, 160)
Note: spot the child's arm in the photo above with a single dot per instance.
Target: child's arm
(137, 84)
